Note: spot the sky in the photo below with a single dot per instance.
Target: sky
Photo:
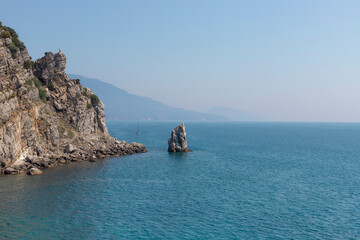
(281, 60)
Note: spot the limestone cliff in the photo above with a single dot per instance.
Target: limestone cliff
(47, 118)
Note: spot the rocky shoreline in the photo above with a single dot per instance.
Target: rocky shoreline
(46, 118)
(33, 163)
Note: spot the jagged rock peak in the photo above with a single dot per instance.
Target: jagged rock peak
(49, 65)
(177, 142)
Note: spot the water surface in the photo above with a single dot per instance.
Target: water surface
(242, 181)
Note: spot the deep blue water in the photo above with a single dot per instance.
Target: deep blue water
(242, 181)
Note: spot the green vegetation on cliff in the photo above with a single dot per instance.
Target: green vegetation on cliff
(5, 34)
(94, 99)
(42, 93)
(8, 32)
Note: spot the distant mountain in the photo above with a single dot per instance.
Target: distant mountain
(121, 105)
(234, 114)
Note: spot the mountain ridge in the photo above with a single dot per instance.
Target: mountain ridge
(235, 114)
(139, 107)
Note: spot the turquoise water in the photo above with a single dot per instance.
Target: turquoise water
(242, 181)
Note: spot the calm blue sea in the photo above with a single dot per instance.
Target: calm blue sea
(242, 181)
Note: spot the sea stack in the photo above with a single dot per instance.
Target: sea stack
(177, 142)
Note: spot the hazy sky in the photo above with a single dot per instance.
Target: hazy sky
(282, 60)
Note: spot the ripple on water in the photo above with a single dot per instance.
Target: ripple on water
(243, 180)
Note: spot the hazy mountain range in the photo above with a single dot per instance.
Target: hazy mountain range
(234, 114)
(121, 105)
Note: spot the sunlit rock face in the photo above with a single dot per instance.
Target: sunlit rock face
(177, 142)
(43, 111)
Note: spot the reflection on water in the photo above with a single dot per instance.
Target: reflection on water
(179, 156)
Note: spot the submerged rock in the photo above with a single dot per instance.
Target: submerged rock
(34, 171)
(177, 142)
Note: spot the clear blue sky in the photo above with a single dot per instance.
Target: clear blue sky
(282, 60)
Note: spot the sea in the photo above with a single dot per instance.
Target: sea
(241, 181)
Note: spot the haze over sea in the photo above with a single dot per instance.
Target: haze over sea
(242, 181)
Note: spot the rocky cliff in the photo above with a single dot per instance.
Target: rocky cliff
(46, 118)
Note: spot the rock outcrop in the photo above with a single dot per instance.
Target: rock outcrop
(34, 171)
(177, 142)
(47, 118)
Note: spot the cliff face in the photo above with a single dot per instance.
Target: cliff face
(47, 118)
